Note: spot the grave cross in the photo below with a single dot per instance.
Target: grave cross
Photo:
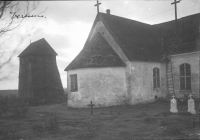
(97, 6)
(173, 100)
(91, 106)
(190, 95)
(175, 2)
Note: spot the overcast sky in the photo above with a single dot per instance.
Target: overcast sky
(68, 23)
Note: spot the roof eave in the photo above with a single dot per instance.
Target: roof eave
(67, 69)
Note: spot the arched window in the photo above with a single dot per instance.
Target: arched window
(185, 76)
(156, 78)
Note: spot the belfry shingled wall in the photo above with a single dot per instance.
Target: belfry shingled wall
(39, 77)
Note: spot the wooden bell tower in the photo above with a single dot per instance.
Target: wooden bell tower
(39, 77)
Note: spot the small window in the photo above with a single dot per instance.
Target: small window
(73, 82)
(185, 77)
(156, 78)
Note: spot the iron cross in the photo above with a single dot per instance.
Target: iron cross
(97, 6)
(91, 106)
(175, 2)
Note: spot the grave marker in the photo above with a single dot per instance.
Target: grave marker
(91, 106)
(191, 105)
(173, 104)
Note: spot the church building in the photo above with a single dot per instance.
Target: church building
(125, 62)
(39, 78)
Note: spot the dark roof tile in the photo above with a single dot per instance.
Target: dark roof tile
(188, 33)
(139, 41)
(96, 53)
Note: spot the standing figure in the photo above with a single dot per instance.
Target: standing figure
(173, 104)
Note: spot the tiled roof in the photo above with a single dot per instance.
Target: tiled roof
(138, 41)
(39, 47)
(188, 33)
(96, 53)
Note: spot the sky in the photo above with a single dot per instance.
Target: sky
(68, 23)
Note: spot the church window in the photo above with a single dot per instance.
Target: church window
(185, 76)
(156, 78)
(73, 82)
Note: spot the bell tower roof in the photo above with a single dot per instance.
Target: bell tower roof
(39, 47)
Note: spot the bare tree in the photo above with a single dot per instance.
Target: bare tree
(12, 14)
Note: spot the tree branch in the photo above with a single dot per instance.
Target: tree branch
(2, 9)
(9, 23)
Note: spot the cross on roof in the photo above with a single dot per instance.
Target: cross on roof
(175, 2)
(97, 6)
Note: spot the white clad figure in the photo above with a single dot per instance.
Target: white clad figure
(173, 104)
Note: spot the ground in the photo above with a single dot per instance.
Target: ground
(142, 121)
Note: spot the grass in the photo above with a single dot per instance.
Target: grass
(142, 121)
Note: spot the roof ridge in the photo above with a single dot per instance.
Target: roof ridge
(182, 18)
(38, 40)
(131, 34)
(126, 19)
(34, 49)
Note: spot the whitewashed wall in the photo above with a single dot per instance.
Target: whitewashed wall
(193, 60)
(104, 86)
(141, 81)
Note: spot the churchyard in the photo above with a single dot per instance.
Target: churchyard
(142, 121)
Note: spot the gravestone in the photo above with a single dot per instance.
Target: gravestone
(191, 105)
(173, 105)
(91, 106)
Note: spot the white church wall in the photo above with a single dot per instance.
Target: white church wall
(193, 60)
(104, 86)
(141, 80)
